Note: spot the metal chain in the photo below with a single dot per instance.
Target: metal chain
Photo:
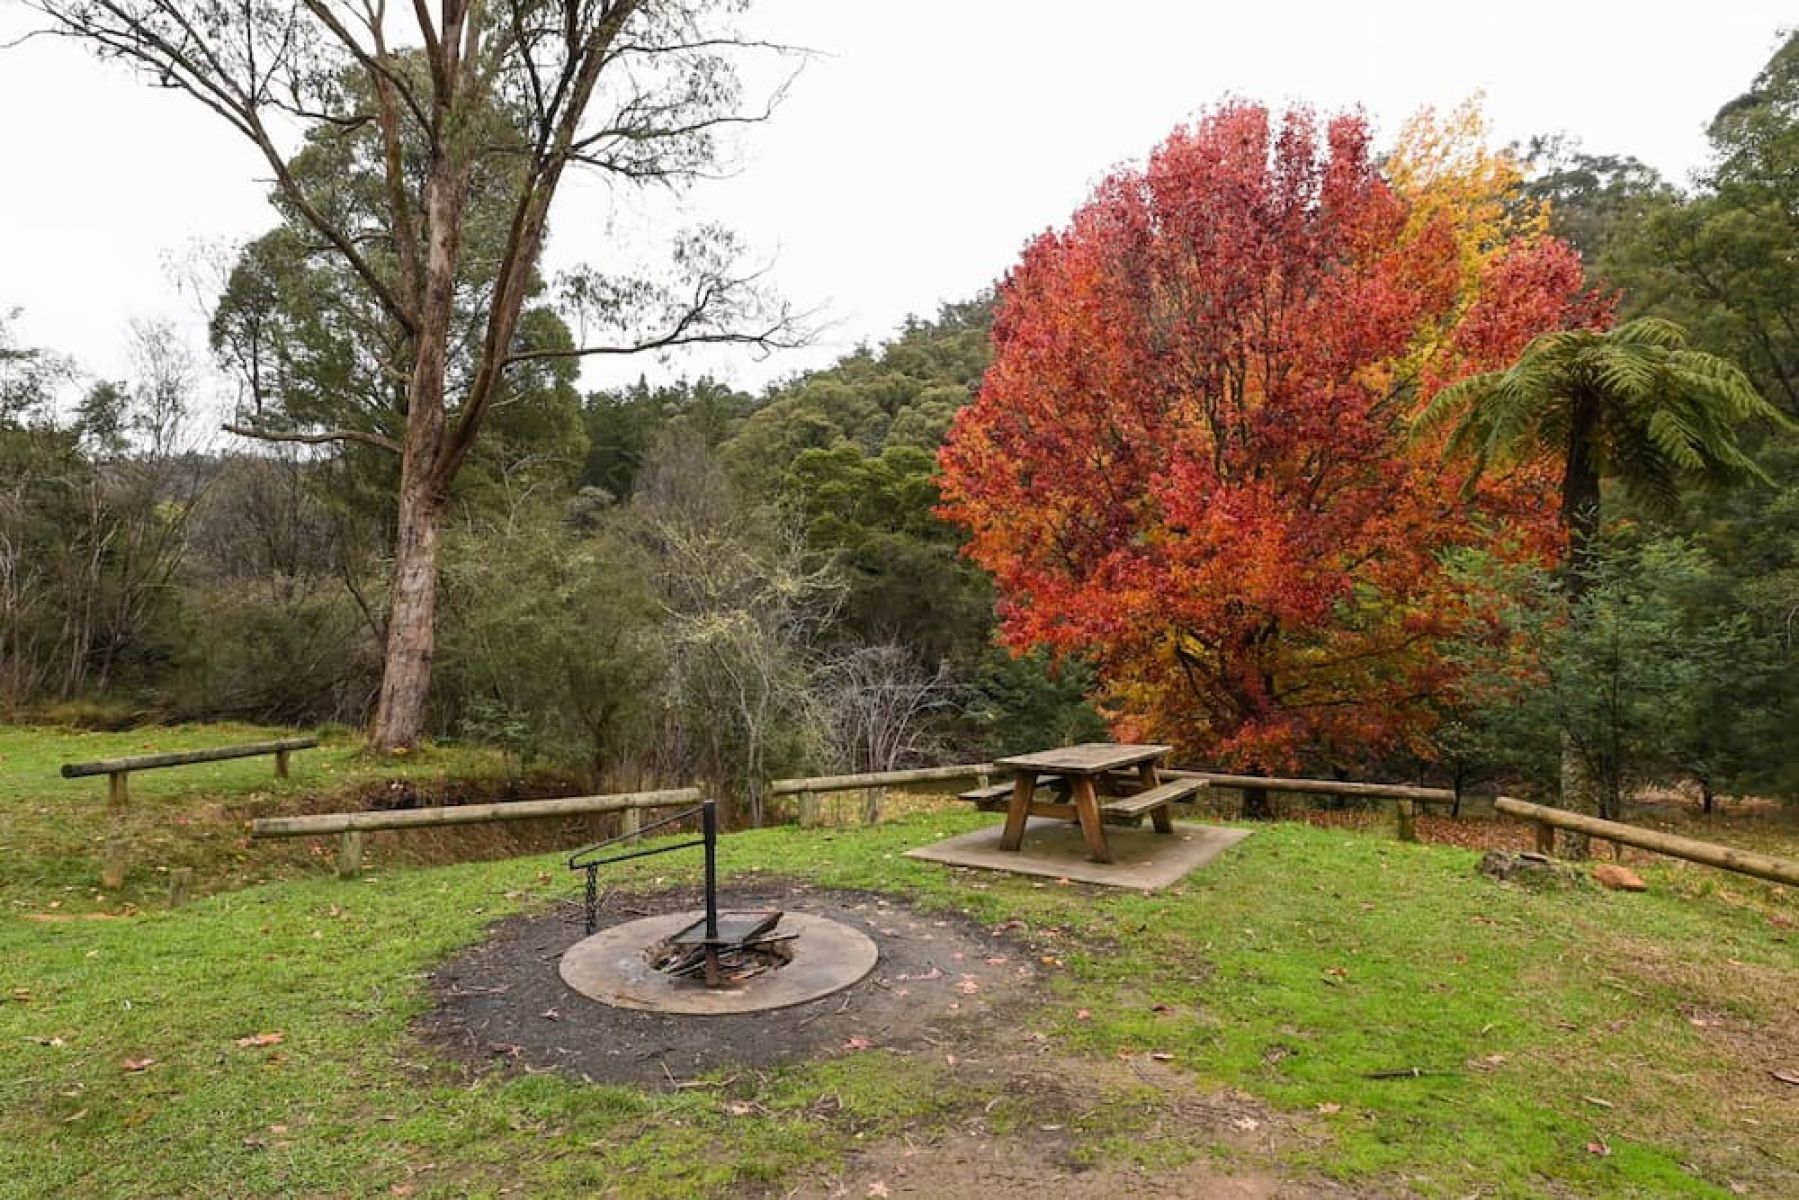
(593, 899)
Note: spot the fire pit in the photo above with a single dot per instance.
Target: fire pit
(708, 961)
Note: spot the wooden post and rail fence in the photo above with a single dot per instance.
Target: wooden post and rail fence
(117, 771)
(350, 826)
(1548, 820)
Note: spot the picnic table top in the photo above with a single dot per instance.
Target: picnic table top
(1089, 758)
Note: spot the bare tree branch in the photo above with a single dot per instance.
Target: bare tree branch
(316, 439)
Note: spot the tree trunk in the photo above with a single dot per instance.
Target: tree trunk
(1576, 787)
(424, 475)
(411, 618)
(1580, 500)
(1580, 517)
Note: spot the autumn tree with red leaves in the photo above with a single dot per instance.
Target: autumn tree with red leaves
(1189, 461)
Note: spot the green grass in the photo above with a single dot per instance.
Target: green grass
(53, 830)
(1301, 963)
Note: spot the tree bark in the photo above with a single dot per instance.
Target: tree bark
(1580, 517)
(411, 618)
(424, 474)
(1576, 786)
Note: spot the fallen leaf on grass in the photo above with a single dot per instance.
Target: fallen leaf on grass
(968, 986)
(138, 1064)
(858, 1043)
(877, 1189)
(1327, 1108)
(1083, 1014)
(1791, 1077)
(1161, 1056)
(933, 973)
(261, 1039)
(1599, 1148)
(1245, 1124)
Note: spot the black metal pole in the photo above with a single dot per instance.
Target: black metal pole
(709, 828)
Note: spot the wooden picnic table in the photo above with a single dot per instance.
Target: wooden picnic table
(1081, 769)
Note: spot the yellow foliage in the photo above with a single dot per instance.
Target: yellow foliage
(1444, 169)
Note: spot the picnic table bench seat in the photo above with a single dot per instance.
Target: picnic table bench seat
(994, 797)
(1150, 799)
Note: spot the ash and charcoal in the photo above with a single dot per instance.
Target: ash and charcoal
(738, 948)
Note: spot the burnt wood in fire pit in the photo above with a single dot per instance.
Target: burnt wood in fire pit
(706, 942)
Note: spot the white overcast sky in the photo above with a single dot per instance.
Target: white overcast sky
(913, 158)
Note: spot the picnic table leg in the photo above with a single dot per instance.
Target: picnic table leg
(1086, 807)
(1162, 816)
(1018, 810)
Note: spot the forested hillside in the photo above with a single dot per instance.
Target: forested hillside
(676, 580)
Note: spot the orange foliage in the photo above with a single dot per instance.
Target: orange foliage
(1189, 460)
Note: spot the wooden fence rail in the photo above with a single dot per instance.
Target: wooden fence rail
(116, 769)
(868, 779)
(1406, 797)
(1548, 820)
(350, 826)
(873, 785)
(1323, 787)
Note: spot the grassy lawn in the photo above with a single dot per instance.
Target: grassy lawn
(1581, 1042)
(53, 830)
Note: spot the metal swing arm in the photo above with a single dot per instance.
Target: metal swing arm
(582, 860)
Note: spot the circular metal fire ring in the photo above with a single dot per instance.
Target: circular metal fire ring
(613, 967)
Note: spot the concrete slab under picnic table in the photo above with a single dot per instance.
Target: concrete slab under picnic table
(1141, 858)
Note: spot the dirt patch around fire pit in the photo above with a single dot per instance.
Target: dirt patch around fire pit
(958, 1011)
(941, 980)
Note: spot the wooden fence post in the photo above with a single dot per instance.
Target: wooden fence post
(116, 795)
(1405, 812)
(809, 810)
(112, 864)
(181, 886)
(630, 822)
(349, 853)
(871, 805)
(280, 764)
(1545, 838)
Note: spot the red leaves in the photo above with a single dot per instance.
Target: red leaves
(1191, 460)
